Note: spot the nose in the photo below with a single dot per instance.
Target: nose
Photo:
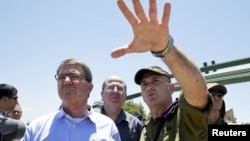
(67, 80)
(148, 86)
(115, 88)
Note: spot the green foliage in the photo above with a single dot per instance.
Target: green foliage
(134, 108)
(96, 104)
(130, 107)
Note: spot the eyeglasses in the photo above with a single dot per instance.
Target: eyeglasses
(216, 94)
(15, 112)
(112, 87)
(72, 76)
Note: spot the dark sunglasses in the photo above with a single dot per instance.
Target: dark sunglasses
(15, 97)
(15, 112)
(216, 94)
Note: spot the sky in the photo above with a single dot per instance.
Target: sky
(35, 36)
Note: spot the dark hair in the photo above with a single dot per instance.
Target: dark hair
(7, 90)
(223, 109)
(86, 70)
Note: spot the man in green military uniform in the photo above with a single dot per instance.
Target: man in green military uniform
(171, 120)
(187, 118)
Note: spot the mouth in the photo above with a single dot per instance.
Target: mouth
(114, 99)
(67, 89)
(151, 94)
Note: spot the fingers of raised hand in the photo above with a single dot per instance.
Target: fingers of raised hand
(166, 14)
(132, 19)
(139, 11)
(118, 52)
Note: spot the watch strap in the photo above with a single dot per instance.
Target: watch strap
(167, 50)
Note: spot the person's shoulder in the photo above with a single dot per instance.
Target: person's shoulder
(44, 118)
(133, 118)
(185, 105)
(96, 116)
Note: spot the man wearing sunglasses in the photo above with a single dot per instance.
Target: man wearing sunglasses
(218, 92)
(10, 129)
(8, 98)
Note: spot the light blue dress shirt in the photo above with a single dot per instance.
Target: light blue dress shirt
(59, 126)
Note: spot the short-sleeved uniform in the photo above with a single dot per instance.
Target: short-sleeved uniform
(187, 124)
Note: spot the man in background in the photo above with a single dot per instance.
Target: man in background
(219, 110)
(8, 101)
(8, 98)
(114, 94)
(16, 113)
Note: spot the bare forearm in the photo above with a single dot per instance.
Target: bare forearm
(188, 76)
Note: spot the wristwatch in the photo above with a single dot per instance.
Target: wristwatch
(166, 51)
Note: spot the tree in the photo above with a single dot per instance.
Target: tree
(134, 108)
(128, 106)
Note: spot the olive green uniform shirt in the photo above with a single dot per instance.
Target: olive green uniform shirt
(220, 121)
(188, 124)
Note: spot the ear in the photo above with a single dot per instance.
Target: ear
(5, 98)
(102, 93)
(90, 87)
(125, 96)
(171, 88)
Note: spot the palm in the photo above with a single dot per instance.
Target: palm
(149, 34)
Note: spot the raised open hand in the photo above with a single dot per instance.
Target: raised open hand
(149, 33)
